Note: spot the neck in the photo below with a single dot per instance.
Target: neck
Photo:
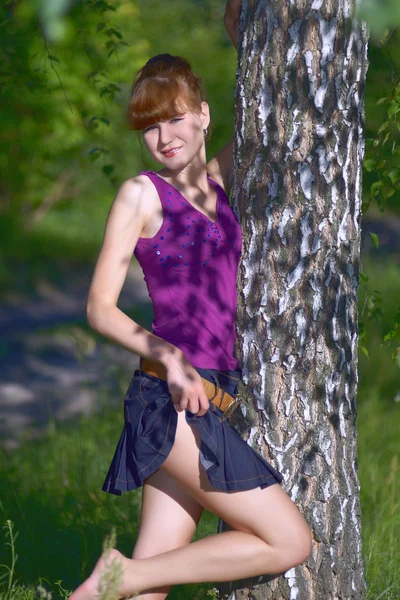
(193, 175)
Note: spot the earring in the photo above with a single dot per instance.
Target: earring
(205, 132)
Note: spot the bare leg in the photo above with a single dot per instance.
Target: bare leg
(168, 520)
(270, 534)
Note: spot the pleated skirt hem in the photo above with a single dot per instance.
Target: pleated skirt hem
(149, 433)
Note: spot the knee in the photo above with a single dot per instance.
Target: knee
(300, 549)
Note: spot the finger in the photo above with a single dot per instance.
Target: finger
(175, 401)
(183, 403)
(193, 406)
(204, 405)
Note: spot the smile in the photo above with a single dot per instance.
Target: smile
(171, 152)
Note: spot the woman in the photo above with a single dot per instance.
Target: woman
(176, 441)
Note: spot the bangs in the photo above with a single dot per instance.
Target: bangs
(158, 99)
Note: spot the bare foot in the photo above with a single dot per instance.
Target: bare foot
(106, 580)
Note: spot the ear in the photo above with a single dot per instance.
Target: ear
(205, 114)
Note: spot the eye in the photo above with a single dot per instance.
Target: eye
(176, 119)
(149, 128)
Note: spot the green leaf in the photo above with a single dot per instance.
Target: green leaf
(385, 139)
(100, 26)
(53, 58)
(370, 164)
(376, 187)
(390, 335)
(363, 276)
(382, 101)
(96, 152)
(364, 350)
(393, 109)
(394, 175)
(108, 169)
(111, 31)
(375, 240)
(383, 127)
(387, 191)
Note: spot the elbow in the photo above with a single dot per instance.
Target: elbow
(94, 315)
(90, 315)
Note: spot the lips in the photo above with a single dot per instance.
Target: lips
(171, 152)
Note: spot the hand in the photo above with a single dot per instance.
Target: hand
(186, 388)
(231, 19)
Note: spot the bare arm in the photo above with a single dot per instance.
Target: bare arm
(124, 225)
(231, 20)
(220, 167)
(126, 220)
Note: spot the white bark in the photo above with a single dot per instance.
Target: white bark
(298, 162)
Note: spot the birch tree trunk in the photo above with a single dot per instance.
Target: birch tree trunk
(298, 161)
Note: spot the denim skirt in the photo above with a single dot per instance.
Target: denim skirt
(149, 433)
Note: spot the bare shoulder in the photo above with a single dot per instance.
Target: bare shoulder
(131, 209)
(137, 193)
(220, 167)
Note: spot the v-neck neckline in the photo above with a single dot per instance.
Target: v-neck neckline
(213, 184)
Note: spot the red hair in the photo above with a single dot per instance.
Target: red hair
(164, 88)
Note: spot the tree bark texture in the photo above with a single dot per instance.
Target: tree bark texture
(298, 164)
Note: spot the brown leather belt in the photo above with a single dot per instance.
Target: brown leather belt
(215, 394)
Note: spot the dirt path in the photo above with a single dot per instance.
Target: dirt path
(51, 366)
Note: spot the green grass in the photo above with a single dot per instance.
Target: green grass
(378, 426)
(52, 495)
(51, 487)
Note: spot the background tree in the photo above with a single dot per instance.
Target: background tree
(298, 165)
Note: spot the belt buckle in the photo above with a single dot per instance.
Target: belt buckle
(230, 409)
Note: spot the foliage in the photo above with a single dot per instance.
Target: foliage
(386, 169)
(378, 411)
(380, 15)
(65, 145)
(58, 102)
(11, 537)
(381, 170)
(372, 310)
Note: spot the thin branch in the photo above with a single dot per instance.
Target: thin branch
(56, 72)
(54, 196)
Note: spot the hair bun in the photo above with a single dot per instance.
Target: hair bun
(162, 63)
(161, 89)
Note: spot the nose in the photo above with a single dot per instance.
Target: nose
(165, 134)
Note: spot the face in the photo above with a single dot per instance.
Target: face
(179, 141)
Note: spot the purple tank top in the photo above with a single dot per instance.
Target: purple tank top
(190, 268)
